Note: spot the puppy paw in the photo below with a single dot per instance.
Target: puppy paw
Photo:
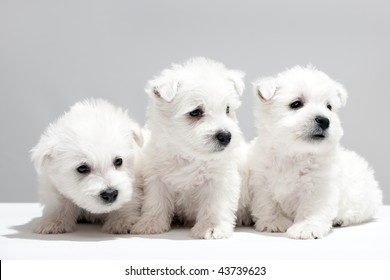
(145, 226)
(279, 225)
(338, 222)
(119, 226)
(54, 227)
(307, 230)
(208, 231)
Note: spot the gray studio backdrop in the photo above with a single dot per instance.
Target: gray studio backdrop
(54, 53)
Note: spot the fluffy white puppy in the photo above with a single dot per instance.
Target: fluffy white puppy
(190, 165)
(301, 180)
(86, 168)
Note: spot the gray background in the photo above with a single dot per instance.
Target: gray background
(54, 53)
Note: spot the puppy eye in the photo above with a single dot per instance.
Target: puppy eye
(329, 107)
(196, 113)
(296, 105)
(83, 169)
(227, 110)
(118, 162)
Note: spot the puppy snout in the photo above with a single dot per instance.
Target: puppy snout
(322, 122)
(109, 195)
(223, 137)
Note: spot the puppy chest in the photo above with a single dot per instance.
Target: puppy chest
(290, 184)
(184, 178)
(189, 186)
(187, 204)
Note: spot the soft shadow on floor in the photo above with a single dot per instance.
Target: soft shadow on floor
(92, 232)
(84, 232)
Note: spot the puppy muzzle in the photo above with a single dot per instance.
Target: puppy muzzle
(321, 128)
(109, 195)
(223, 138)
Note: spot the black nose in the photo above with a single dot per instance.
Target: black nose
(109, 195)
(322, 122)
(224, 137)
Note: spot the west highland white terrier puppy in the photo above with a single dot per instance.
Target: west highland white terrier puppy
(301, 180)
(86, 168)
(190, 166)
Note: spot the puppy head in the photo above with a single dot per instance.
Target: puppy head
(88, 155)
(299, 107)
(194, 107)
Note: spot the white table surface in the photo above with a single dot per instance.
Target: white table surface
(366, 241)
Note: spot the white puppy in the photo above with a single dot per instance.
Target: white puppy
(190, 167)
(301, 180)
(85, 164)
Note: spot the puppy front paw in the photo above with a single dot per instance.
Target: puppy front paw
(208, 231)
(281, 224)
(150, 226)
(54, 227)
(119, 225)
(338, 222)
(307, 230)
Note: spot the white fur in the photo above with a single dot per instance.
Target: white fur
(188, 175)
(244, 212)
(299, 185)
(92, 133)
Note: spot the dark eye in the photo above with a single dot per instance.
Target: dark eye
(83, 169)
(196, 113)
(118, 162)
(329, 107)
(227, 110)
(296, 105)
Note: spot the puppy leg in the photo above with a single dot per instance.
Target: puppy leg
(59, 216)
(243, 215)
(267, 214)
(309, 229)
(122, 220)
(314, 216)
(360, 196)
(218, 205)
(157, 209)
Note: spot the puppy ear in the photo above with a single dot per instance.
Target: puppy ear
(265, 88)
(138, 136)
(237, 76)
(163, 88)
(342, 94)
(40, 154)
